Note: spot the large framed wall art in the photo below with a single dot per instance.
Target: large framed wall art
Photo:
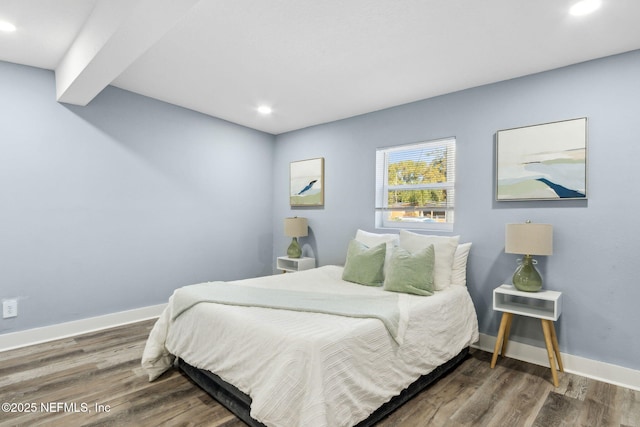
(306, 182)
(542, 162)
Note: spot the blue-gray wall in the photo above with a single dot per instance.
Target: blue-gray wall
(111, 206)
(595, 241)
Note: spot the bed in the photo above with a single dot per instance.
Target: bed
(289, 366)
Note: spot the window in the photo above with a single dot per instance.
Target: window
(415, 185)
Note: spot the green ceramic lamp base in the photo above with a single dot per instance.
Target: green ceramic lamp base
(526, 278)
(294, 250)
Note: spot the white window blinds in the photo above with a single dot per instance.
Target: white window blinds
(415, 185)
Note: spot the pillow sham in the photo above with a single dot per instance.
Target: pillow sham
(374, 239)
(410, 273)
(364, 264)
(445, 248)
(459, 267)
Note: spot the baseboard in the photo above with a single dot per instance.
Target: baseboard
(601, 371)
(63, 330)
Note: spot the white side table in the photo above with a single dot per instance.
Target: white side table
(543, 305)
(286, 264)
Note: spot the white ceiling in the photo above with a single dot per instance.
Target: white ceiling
(312, 61)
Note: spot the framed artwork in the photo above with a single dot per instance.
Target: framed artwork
(542, 162)
(306, 182)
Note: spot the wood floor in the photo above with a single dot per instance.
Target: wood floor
(96, 380)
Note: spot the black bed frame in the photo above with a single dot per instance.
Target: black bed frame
(240, 404)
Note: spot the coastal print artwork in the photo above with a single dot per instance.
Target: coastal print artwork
(306, 182)
(542, 162)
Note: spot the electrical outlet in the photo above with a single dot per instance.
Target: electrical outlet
(9, 308)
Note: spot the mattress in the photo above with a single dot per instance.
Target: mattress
(314, 369)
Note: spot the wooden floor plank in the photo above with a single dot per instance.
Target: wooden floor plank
(484, 405)
(558, 410)
(453, 389)
(573, 386)
(600, 406)
(102, 371)
(629, 401)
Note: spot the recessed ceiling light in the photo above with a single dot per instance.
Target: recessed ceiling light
(7, 27)
(265, 109)
(585, 7)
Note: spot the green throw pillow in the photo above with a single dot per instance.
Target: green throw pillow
(364, 264)
(410, 273)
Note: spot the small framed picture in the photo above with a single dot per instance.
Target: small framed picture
(542, 162)
(306, 182)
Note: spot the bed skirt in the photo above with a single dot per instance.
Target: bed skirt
(239, 403)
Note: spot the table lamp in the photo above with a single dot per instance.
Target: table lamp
(295, 227)
(528, 239)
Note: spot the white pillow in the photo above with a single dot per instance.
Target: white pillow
(374, 239)
(459, 268)
(445, 248)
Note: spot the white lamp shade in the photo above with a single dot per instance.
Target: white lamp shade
(296, 227)
(529, 239)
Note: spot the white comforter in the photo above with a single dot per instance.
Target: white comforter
(313, 369)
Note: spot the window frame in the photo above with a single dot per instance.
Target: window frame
(382, 187)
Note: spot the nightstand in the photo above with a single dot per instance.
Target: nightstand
(286, 264)
(543, 305)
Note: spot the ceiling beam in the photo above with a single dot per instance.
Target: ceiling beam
(114, 36)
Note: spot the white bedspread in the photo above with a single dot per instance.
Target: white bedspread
(313, 369)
